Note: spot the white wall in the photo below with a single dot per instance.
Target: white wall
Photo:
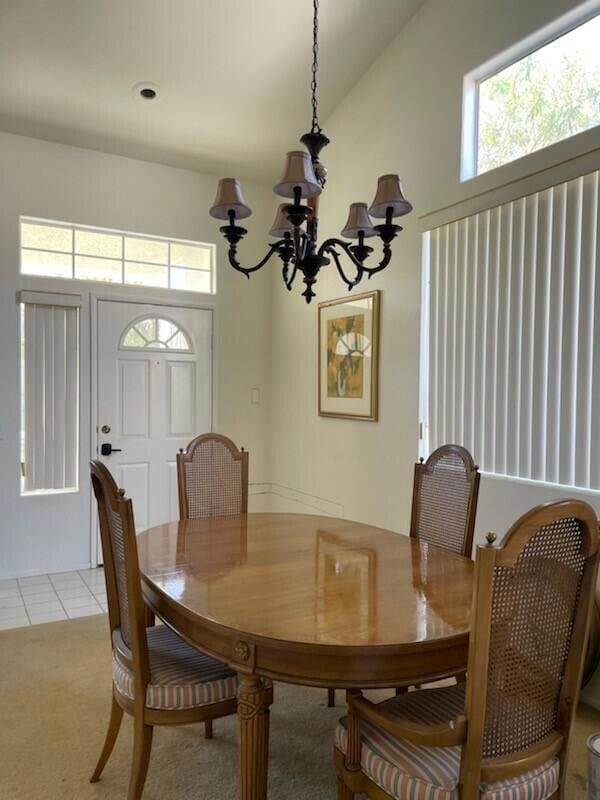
(404, 116)
(45, 534)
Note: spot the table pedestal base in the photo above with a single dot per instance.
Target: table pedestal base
(254, 699)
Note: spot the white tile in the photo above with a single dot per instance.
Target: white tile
(7, 593)
(11, 602)
(97, 588)
(8, 583)
(103, 605)
(72, 579)
(78, 602)
(75, 591)
(60, 575)
(48, 616)
(7, 624)
(90, 573)
(38, 588)
(13, 613)
(43, 608)
(84, 611)
(34, 580)
(40, 598)
(100, 595)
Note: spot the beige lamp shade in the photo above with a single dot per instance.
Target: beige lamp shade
(389, 195)
(358, 220)
(230, 198)
(298, 172)
(281, 225)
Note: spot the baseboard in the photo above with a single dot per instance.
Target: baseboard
(276, 497)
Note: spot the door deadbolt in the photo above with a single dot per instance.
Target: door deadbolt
(105, 429)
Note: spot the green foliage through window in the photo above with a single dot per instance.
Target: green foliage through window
(549, 95)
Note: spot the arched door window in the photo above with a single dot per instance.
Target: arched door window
(156, 333)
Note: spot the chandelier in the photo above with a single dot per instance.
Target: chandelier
(295, 228)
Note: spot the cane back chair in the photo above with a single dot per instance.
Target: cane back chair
(157, 677)
(444, 505)
(212, 475)
(503, 735)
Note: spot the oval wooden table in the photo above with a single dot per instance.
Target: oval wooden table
(311, 600)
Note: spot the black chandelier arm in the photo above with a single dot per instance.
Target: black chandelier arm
(387, 257)
(331, 251)
(275, 248)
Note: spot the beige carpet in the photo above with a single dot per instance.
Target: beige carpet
(54, 701)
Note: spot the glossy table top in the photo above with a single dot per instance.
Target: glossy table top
(309, 579)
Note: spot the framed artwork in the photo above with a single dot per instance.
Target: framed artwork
(349, 357)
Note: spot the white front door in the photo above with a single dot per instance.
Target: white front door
(154, 395)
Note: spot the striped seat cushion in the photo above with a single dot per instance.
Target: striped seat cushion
(410, 771)
(180, 677)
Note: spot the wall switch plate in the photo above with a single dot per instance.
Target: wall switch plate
(255, 396)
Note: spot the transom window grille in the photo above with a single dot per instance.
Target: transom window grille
(156, 333)
(511, 336)
(60, 250)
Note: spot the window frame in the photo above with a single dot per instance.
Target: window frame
(75, 227)
(561, 26)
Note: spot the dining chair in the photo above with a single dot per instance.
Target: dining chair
(212, 475)
(444, 505)
(157, 677)
(504, 734)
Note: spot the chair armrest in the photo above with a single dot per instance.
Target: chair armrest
(447, 734)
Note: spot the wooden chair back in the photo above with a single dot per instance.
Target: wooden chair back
(532, 606)
(445, 492)
(126, 609)
(212, 476)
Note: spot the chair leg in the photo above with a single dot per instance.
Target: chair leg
(343, 792)
(401, 690)
(114, 724)
(331, 698)
(142, 744)
(208, 729)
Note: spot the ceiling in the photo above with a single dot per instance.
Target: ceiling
(233, 74)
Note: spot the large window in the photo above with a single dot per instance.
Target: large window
(511, 336)
(548, 94)
(49, 393)
(57, 250)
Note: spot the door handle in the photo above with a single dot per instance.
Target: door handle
(106, 449)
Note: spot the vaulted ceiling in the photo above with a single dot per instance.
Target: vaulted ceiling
(233, 75)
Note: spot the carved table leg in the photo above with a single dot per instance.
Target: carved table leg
(253, 715)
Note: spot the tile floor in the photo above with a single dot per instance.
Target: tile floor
(46, 598)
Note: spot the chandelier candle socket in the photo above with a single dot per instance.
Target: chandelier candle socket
(281, 225)
(296, 223)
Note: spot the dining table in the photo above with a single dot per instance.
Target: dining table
(310, 600)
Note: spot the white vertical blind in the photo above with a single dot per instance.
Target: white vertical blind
(512, 347)
(51, 397)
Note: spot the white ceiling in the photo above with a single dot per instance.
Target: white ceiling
(234, 74)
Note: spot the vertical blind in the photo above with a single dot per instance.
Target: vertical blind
(512, 335)
(50, 397)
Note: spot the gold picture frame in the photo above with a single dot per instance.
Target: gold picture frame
(348, 363)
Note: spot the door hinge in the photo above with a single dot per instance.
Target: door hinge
(422, 430)
(23, 470)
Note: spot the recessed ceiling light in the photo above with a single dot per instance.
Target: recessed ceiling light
(146, 91)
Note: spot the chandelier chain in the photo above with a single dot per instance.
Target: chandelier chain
(316, 128)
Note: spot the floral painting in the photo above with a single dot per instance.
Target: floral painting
(348, 356)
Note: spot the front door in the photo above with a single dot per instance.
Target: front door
(154, 395)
